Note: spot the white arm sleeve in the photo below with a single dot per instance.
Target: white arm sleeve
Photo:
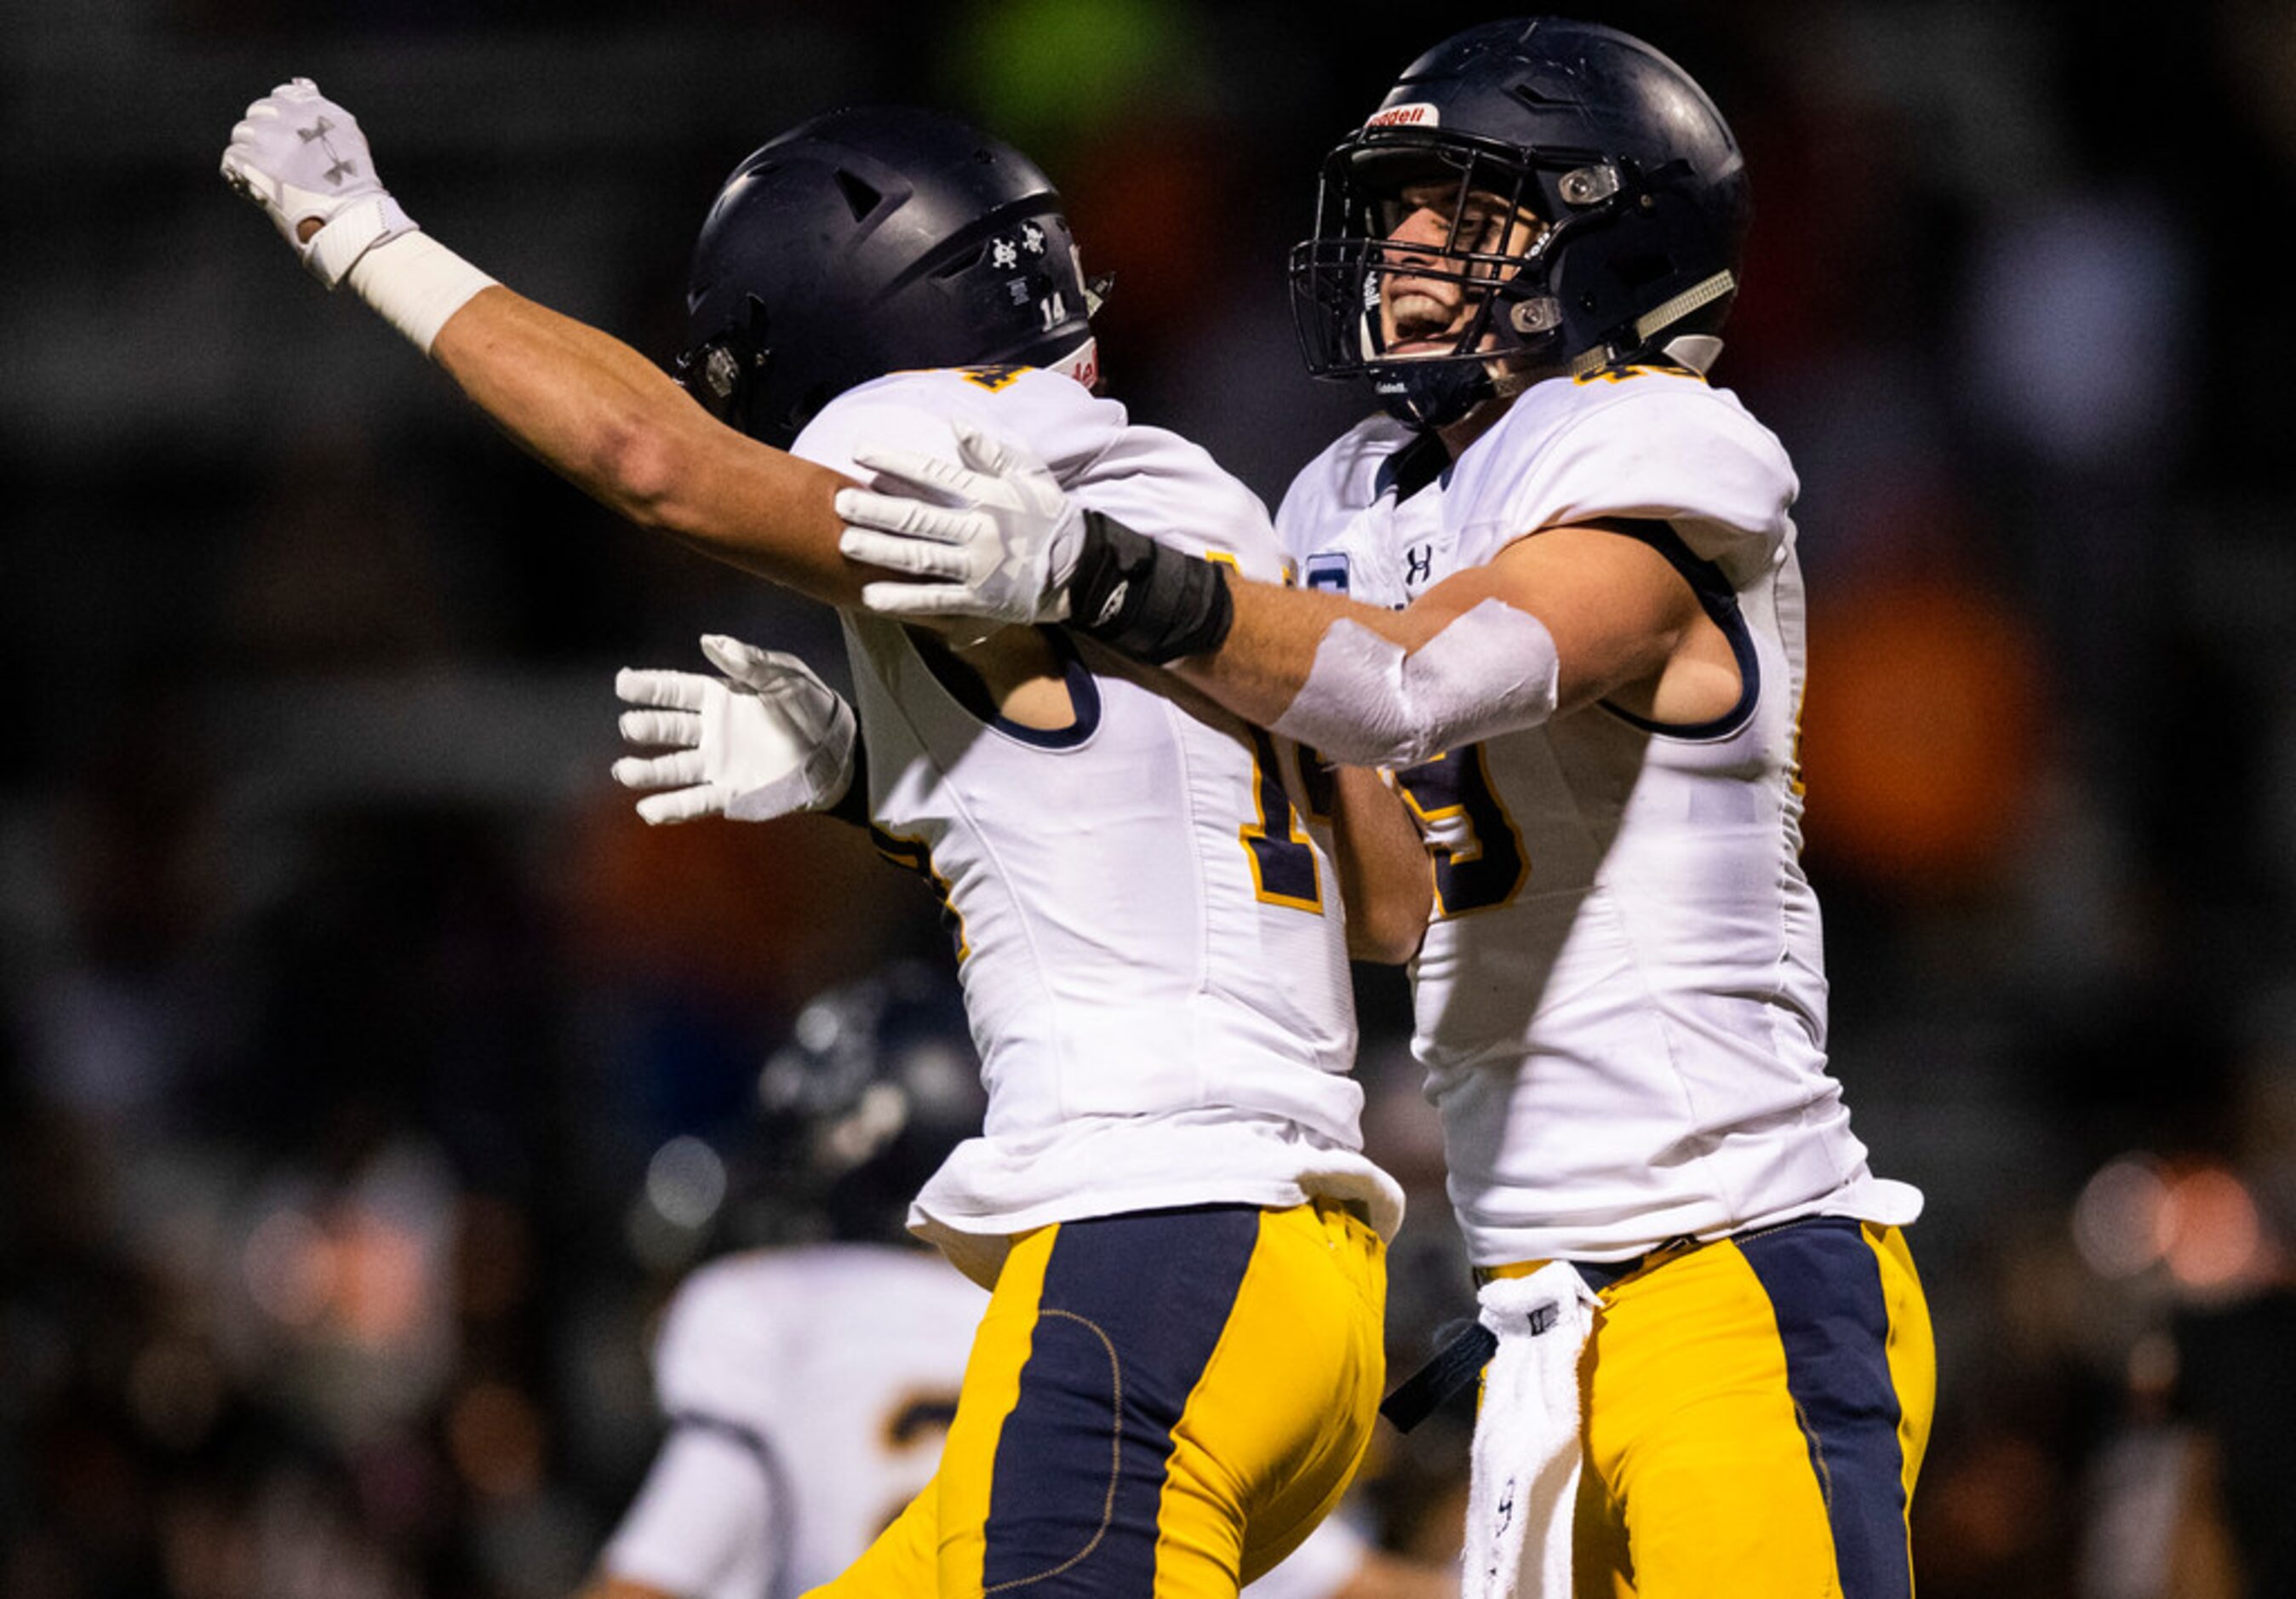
(703, 1524)
(1367, 702)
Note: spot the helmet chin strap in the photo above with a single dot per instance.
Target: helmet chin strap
(1433, 394)
(1696, 351)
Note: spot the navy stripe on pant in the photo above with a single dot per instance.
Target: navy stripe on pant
(1827, 1289)
(1132, 1308)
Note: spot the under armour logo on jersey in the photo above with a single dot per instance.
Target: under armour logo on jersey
(319, 131)
(1418, 564)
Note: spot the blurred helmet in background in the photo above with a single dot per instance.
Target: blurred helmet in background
(876, 1083)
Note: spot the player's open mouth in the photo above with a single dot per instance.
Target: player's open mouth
(1421, 322)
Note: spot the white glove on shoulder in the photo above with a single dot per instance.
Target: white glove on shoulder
(991, 532)
(767, 739)
(302, 157)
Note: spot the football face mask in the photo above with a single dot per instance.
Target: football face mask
(1429, 270)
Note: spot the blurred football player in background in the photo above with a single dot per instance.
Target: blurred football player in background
(1175, 1375)
(806, 1382)
(1555, 590)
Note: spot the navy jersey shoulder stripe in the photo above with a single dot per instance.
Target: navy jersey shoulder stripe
(962, 684)
(1720, 603)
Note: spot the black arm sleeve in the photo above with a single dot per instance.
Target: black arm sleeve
(1146, 600)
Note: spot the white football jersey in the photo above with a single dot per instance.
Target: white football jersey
(808, 1391)
(1621, 1002)
(1149, 935)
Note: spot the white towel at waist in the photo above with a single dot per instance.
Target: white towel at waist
(1526, 1450)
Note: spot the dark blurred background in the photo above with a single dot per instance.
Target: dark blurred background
(368, 1071)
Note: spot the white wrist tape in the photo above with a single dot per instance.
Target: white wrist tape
(1367, 702)
(414, 281)
(360, 226)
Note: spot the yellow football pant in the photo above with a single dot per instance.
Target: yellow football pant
(1755, 1413)
(1158, 1405)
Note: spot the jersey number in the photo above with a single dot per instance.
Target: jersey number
(1283, 861)
(1486, 867)
(919, 1418)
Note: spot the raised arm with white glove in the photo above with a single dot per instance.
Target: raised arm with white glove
(767, 739)
(302, 159)
(587, 404)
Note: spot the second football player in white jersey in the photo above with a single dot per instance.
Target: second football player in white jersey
(806, 1391)
(1558, 595)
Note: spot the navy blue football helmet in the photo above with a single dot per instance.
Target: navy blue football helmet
(1636, 177)
(877, 1082)
(869, 241)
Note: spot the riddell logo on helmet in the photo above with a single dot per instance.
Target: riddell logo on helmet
(1418, 114)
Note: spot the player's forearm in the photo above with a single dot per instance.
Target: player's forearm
(1371, 687)
(581, 401)
(587, 404)
(1384, 878)
(603, 416)
(1270, 648)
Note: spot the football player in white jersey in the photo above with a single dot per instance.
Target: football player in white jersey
(1555, 591)
(806, 1382)
(808, 1375)
(1177, 1372)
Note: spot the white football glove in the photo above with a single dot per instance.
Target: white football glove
(767, 739)
(301, 156)
(991, 532)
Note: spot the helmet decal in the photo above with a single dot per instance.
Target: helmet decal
(869, 241)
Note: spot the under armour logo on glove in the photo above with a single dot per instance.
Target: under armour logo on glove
(343, 167)
(302, 159)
